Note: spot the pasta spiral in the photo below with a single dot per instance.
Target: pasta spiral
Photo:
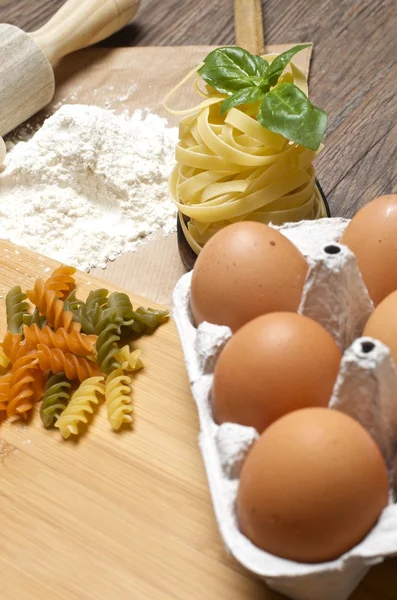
(4, 390)
(93, 311)
(11, 345)
(122, 306)
(51, 307)
(38, 385)
(146, 320)
(67, 342)
(80, 404)
(61, 281)
(74, 341)
(129, 361)
(55, 399)
(4, 360)
(72, 303)
(16, 309)
(106, 347)
(230, 168)
(118, 398)
(34, 319)
(74, 367)
(21, 394)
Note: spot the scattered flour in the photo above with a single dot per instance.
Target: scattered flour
(89, 185)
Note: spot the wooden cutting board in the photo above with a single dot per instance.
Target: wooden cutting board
(112, 516)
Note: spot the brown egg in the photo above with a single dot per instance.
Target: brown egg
(395, 477)
(382, 324)
(245, 270)
(273, 365)
(372, 236)
(312, 487)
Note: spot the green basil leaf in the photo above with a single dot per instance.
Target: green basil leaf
(249, 94)
(281, 61)
(261, 65)
(286, 110)
(230, 69)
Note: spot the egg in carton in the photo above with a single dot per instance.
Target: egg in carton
(335, 295)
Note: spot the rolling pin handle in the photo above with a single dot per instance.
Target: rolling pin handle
(80, 23)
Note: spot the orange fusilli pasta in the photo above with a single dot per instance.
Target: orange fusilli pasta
(61, 281)
(11, 345)
(51, 307)
(38, 385)
(4, 389)
(74, 342)
(74, 367)
(21, 394)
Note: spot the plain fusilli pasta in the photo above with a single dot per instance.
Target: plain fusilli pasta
(118, 399)
(79, 405)
(129, 361)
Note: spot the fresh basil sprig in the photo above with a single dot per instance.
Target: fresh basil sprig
(246, 79)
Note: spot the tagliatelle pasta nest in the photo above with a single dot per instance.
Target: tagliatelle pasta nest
(230, 168)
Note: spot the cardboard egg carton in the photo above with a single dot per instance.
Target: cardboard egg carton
(334, 295)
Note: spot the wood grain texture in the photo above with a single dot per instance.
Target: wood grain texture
(248, 25)
(355, 65)
(79, 24)
(112, 516)
(26, 81)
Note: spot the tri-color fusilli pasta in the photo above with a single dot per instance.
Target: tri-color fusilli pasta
(118, 398)
(4, 360)
(4, 390)
(57, 342)
(61, 281)
(129, 360)
(80, 405)
(50, 306)
(55, 399)
(11, 345)
(16, 309)
(21, 394)
(74, 341)
(74, 367)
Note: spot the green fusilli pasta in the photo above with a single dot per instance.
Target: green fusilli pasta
(146, 320)
(121, 303)
(55, 399)
(107, 329)
(16, 308)
(34, 319)
(90, 312)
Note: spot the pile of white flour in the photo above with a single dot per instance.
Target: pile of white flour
(89, 185)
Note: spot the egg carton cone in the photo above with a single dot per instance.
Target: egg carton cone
(334, 295)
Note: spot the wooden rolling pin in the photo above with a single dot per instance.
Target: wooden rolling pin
(27, 81)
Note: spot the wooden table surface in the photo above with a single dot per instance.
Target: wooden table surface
(353, 77)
